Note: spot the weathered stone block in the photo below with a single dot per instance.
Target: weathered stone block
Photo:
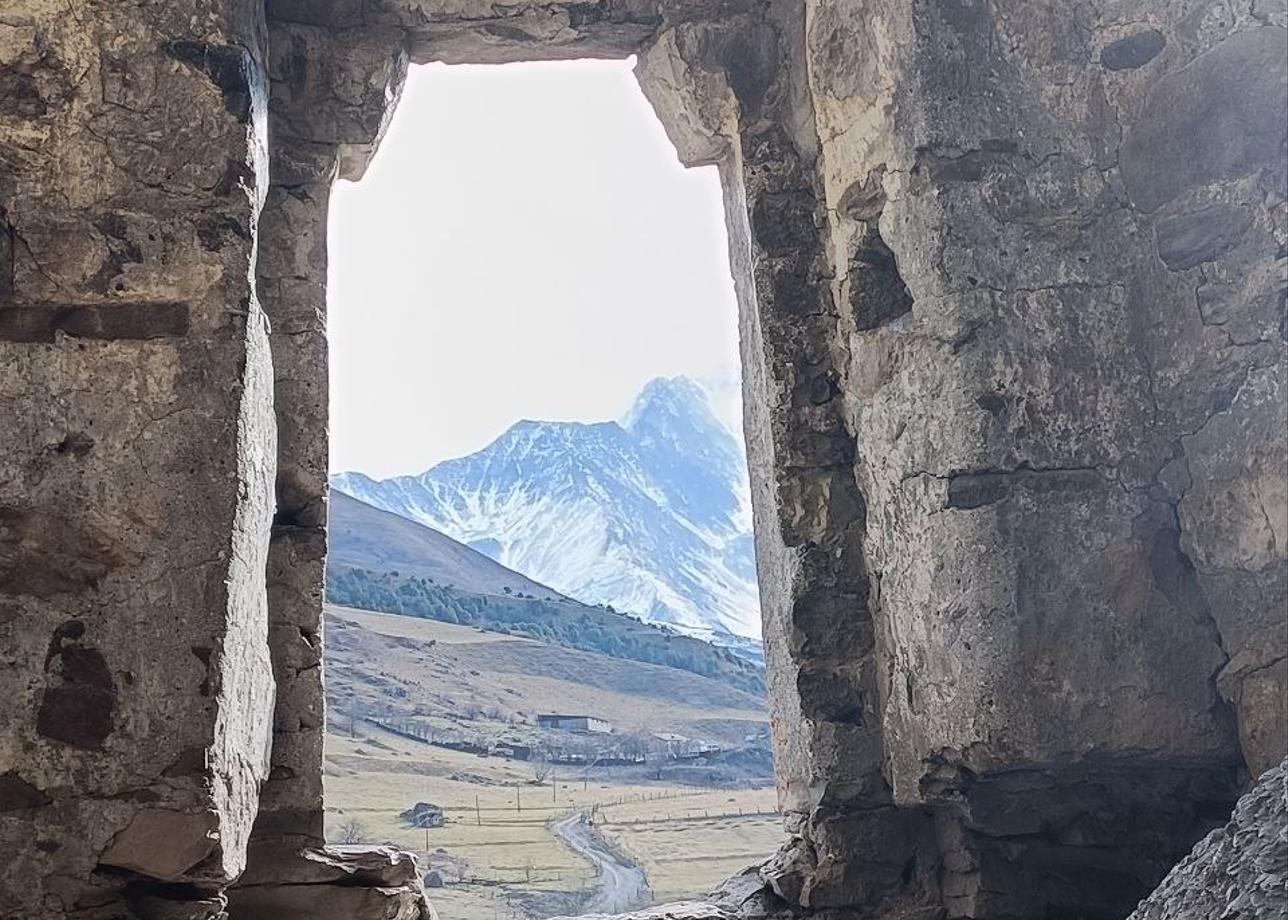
(1210, 120)
(164, 845)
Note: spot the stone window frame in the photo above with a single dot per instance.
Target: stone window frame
(728, 89)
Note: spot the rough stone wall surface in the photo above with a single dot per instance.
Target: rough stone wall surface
(333, 883)
(1056, 240)
(1029, 372)
(331, 90)
(138, 449)
(1239, 870)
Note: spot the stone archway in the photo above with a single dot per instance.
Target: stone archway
(1014, 362)
(726, 96)
(848, 183)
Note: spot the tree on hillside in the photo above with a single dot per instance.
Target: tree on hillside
(352, 831)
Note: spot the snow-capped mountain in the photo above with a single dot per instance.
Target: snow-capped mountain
(650, 514)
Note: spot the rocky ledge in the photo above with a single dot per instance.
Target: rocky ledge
(334, 883)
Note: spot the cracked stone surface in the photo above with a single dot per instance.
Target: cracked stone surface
(340, 882)
(135, 480)
(1012, 292)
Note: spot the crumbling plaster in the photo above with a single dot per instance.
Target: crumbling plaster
(1011, 285)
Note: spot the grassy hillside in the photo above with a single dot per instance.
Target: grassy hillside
(496, 852)
(468, 682)
(362, 537)
(559, 622)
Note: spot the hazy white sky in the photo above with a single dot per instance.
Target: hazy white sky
(524, 245)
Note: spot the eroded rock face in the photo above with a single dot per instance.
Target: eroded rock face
(1042, 436)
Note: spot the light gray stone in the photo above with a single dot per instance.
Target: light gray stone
(1239, 870)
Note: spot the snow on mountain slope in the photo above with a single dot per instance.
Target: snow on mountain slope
(362, 537)
(650, 514)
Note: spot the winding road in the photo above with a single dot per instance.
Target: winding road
(623, 886)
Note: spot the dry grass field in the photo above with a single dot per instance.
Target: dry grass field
(497, 822)
(691, 844)
(451, 672)
(496, 848)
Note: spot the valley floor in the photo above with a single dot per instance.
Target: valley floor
(498, 851)
(522, 839)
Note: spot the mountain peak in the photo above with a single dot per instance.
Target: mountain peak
(647, 514)
(669, 397)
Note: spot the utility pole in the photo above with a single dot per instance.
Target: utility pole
(478, 812)
(585, 776)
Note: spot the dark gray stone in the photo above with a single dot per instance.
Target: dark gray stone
(1219, 117)
(1133, 51)
(1188, 240)
(1239, 870)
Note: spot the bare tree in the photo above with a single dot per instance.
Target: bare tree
(541, 766)
(352, 831)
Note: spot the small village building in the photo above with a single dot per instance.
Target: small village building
(570, 723)
(512, 750)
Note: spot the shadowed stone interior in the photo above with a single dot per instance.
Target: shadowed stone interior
(1012, 293)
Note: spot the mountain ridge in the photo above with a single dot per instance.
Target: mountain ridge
(382, 562)
(648, 513)
(365, 537)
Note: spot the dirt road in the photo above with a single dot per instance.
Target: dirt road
(623, 886)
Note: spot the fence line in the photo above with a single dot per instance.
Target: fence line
(688, 816)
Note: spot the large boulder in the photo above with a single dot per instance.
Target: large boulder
(1237, 871)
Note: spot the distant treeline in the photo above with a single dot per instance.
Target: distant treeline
(561, 622)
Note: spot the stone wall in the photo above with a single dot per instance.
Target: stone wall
(330, 95)
(1012, 292)
(138, 448)
(1056, 244)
